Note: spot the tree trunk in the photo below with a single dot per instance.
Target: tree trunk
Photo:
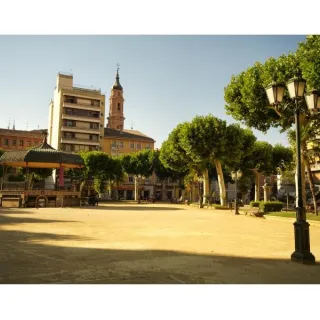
(206, 186)
(257, 185)
(223, 194)
(163, 193)
(312, 189)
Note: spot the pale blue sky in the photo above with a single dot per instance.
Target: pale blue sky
(166, 79)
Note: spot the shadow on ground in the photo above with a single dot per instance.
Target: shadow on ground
(137, 207)
(25, 258)
(9, 219)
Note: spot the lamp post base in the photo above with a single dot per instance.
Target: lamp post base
(302, 252)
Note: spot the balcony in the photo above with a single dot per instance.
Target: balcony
(80, 129)
(81, 106)
(80, 141)
(80, 117)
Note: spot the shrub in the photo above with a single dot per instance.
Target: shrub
(270, 206)
(16, 178)
(254, 203)
(220, 207)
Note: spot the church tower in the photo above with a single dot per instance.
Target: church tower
(116, 118)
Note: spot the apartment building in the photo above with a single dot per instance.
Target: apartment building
(76, 116)
(12, 139)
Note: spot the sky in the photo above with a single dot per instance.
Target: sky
(166, 79)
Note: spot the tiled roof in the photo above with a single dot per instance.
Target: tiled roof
(128, 134)
(42, 153)
(21, 133)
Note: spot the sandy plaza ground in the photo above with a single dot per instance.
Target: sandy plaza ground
(149, 243)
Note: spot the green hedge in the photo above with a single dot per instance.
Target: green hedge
(220, 207)
(270, 206)
(254, 203)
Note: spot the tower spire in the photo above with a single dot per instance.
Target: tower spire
(117, 84)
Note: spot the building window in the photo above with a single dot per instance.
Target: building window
(147, 146)
(118, 94)
(21, 143)
(131, 179)
(14, 142)
(114, 144)
(6, 142)
(94, 126)
(68, 147)
(81, 148)
(119, 107)
(132, 145)
(28, 143)
(120, 144)
(147, 180)
(69, 123)
(138, 146)
(93, 137)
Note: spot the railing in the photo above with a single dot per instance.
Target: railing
(79, 128)
(37, 186)
(87, 88)
(74, 104)
(96, 116)
(13, 185)
(80, 139)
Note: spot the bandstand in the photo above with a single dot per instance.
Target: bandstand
(45, 194)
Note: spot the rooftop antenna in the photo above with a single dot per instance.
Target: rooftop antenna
(14, 125)
(132, 125)
(27, 125)
(9, 123)
(38, 127)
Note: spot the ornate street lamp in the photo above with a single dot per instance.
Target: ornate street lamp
(236, 175)
(296, 88)
(137, 179)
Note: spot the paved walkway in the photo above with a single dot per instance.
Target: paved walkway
(148, 243)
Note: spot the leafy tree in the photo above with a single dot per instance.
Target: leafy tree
(1, 167)
(246, 99)
(205, 141)
(101, 167)
(162, 172)
(139, 163)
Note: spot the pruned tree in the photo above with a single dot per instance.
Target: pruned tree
(246, 99)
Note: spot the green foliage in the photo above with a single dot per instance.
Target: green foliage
(16, 178)
(261, 157)
(282, 157)
(172, 155)
(101, 166)
(160, 170)
(245, 95)
(38, 173)
(1, 167)
(138, 163)
(98, 185)
(254, 204)
(308, 54)
(270, 206)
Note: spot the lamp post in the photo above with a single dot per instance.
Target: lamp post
(275, 92)
(236, 175)
(137, 179)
